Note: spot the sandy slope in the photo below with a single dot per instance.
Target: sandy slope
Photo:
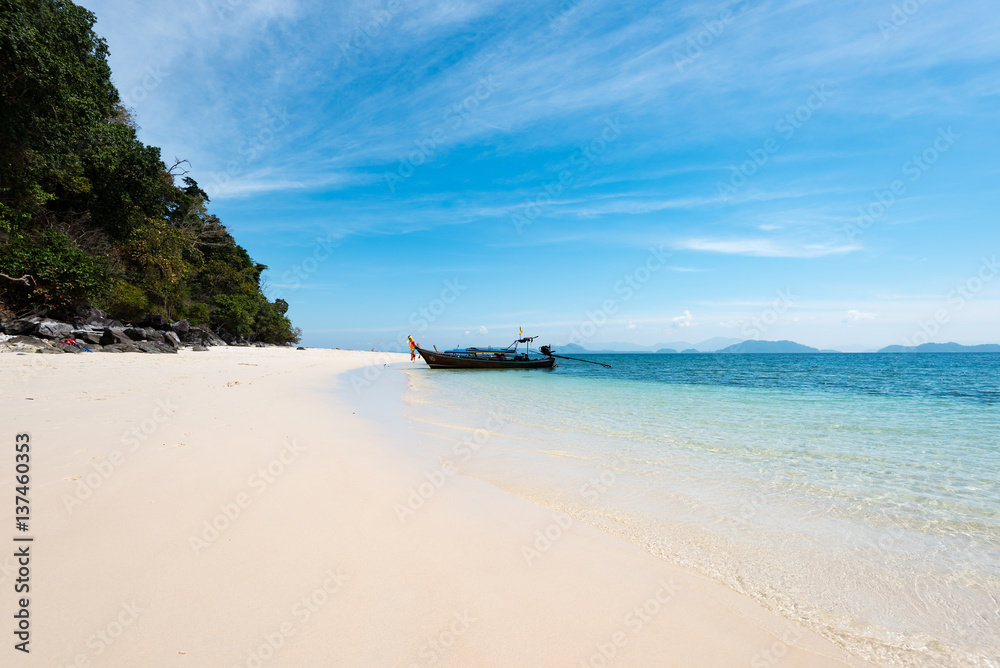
(136, 457)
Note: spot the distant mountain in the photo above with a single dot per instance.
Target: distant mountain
(609, 347)
(943, 348)
(753, 346)
(570, 348)
(768, 347)
(709, 346)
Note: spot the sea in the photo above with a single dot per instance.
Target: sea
(856, 494)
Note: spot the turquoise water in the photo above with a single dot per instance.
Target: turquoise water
(856, 494)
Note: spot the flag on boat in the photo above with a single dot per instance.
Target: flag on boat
(413, 346)
(520, 332)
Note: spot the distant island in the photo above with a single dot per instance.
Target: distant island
(732, 346)
(753, 346)
(943, 348)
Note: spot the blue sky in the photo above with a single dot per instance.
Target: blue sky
(654, 172)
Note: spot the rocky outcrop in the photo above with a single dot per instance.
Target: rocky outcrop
(200, 336)
(114, 335)
(53, 329)
(44, 330)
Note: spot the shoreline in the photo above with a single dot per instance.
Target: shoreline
(246, 502)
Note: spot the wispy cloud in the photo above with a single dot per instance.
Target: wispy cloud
(764, 248)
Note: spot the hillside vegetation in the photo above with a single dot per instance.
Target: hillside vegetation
(91, 216)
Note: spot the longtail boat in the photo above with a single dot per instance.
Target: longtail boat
(494, 358)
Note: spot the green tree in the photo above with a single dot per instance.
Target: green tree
(89, 213)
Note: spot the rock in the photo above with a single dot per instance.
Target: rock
(135, 333)
(197, 336)
(94, 318)
(300, 348)
(181, 327)
(214, 340)
(127, 347)
(199, 348)
(28, 341)
(50, 329)
(88, 337)
(21, 344)
(50, 350)
(154, 348)
(19, 326)
(172, 340)
(153, 335)
(114, 335)
(193, 336)
(65, 347)
(156, 321)
(41, 313)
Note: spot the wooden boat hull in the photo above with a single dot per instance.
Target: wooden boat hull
(436, 360)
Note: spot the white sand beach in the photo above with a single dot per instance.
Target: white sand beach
(242, 507)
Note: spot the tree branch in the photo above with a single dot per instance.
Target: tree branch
(27, 279)
(177, 163)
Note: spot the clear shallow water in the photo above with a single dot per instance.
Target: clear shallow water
(856, 494)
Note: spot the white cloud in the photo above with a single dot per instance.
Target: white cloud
(631, 325)
(855, 315)
(685, 320)
(764, 248)
(482, 331)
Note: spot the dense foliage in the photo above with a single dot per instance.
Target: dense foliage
(89, 215)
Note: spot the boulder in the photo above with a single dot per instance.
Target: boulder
(215, 340)
(51, 329)
(41, 313)
(113, 335)
(50, 350)
(181, 327)
(197, 336)
(199, 348)
(153, 335)
(127, 347)
(65, 347)
(27, 341)
(193, 336)
(154, 348)
(87, 336)
(172, 340)
(19, 326)
(94, 318)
